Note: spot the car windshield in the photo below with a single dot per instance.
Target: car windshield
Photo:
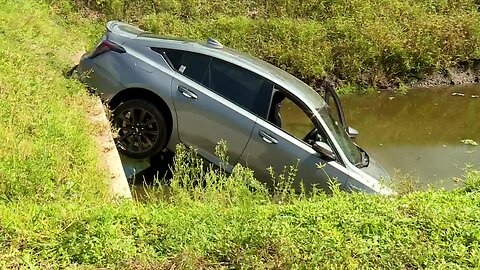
(346, 144)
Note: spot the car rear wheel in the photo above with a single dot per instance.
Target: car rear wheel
(142, 129)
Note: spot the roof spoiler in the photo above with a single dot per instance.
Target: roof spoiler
(121, 32)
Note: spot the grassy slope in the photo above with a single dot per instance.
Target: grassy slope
(47, 151)
(226, 225)
(51, 216)
(363, 43)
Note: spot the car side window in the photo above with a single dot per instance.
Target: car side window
(192, 65)
(291, 118)
(239, 85)
(295, 120)
(174, 56)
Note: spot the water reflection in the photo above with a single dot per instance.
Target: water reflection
(420, 133)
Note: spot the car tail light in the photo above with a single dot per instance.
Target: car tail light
(106, 46)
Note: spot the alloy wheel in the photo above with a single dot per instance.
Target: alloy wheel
(138, 130)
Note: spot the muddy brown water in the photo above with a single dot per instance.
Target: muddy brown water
(420, 133)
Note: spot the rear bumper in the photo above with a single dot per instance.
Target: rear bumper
(98, 79)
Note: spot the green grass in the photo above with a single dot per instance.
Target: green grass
(53, 212)
(47, 151)
(227, 225)
(432, 230)
(356, 42)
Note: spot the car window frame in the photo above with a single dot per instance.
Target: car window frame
(338, 110)
(257, 100)
(311, 115)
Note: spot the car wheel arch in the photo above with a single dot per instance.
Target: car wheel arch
(145, 94)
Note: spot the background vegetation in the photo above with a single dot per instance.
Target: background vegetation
(359, 43)
(53, 212)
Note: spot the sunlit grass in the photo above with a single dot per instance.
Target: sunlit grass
(47, 150)
(53, 213)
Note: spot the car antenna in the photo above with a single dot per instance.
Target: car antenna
(214, 43)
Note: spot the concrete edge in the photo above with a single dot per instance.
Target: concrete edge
(110, 159)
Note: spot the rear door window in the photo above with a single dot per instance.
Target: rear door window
(192, 65)
(239, 85)
(174, 56)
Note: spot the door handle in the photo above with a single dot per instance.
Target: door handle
(267, 138)
(187, 93)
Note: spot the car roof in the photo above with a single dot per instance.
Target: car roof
(278, 76)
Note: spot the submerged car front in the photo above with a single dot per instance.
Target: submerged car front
(365, 174)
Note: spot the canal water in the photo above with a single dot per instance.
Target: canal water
(425, 133)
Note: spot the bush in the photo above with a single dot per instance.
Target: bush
(366, 43)
(207, 219)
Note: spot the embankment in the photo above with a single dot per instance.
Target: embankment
(357, 44)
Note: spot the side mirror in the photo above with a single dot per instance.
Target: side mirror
(324, 150)
(352, 133)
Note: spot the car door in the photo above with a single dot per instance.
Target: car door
(208, 108)
(335, 105)
(336, 110)
(279, 143)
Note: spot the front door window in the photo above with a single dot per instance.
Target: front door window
(285, 139)
(294, 120)
(291, 118)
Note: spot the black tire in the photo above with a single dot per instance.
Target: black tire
(142, 129)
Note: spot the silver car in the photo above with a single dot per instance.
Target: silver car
(165, 91)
